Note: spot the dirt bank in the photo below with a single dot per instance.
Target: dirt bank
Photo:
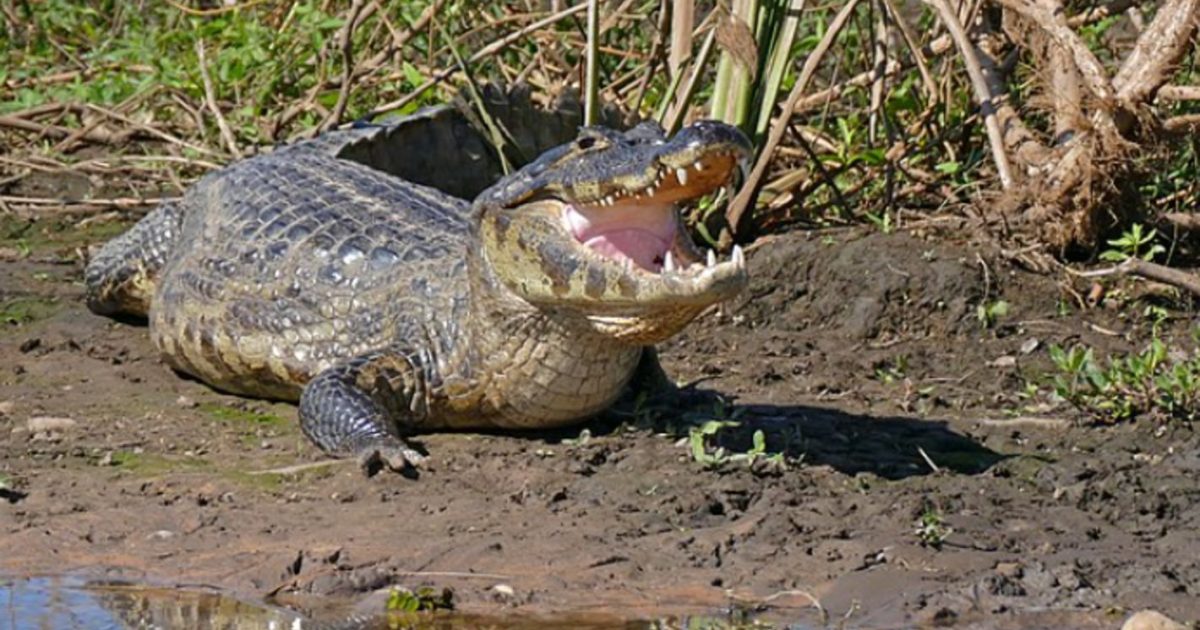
(860, 356)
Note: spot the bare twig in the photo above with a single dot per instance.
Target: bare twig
(1048, 15)
(1185, 221)
(982, 91)
(1148, 270)
(210, 99)
(482, 53)
(217, 11)
(40, 206)
(1018, 139)
(57, 132)
(1157, 51)
(1185, 124)
(346, 44)
(1179, 93)
(1095, 14)
(879, 52)
(917, 52)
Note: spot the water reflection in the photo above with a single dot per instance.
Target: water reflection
(51, 603)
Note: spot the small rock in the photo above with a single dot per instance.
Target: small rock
(1030, 345)
(1005, 361)
(161, 534)
(29, 345)
(6, 407)
(47, 424)
(1009, 569)
(186, 403)
(1151, 620)
(504, 593)
(107, 460)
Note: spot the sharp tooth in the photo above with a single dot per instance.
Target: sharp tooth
(668, 263)
(699, 166)
(712, 258)
(681, 175)
(610, 200)
(739, 258)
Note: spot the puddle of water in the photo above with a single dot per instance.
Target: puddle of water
(51, 603)
(64, 602)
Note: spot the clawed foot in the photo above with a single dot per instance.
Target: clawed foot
(397, 457)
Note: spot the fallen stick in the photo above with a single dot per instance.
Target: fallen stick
(1148, 270)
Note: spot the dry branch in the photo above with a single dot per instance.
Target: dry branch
(346, 45)
(1158, 49)
(482, 53)
(983, 92)
(1150, 271)
(210, 99)
(1179, 93)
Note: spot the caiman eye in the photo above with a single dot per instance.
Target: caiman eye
(591, 139)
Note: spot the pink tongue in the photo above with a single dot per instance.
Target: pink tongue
(643, 248)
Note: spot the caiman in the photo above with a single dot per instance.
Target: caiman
(327, 272)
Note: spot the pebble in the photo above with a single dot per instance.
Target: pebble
(1009, 569)
(1151, 620)
(47, 424)
(6, 407)
(186, 403)
(1005, 361)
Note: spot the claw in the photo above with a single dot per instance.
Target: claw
(739, 258)
(395, 457)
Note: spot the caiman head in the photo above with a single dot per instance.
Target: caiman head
(592, 229)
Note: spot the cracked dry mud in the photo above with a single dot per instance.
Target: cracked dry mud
(857, 353)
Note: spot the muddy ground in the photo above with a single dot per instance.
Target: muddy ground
(859, 355)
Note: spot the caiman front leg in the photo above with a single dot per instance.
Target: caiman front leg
(362, 407)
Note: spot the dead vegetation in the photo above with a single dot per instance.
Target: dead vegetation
(1053, 123)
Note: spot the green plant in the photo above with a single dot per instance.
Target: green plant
(1133, 243)
(989, 313)
(889, 372)
(932, 530)
(424, 598)
(882, 220)
(1147, 383)
(705, 433)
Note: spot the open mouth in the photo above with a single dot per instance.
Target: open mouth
(640, 228)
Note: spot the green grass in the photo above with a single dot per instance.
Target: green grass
(244, 418)
(153, 465)
(46, 235)
(26, 310)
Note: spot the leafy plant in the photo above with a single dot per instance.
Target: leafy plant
(932, 530)
(703, 444)
(425, 598)
(989, 313)
(889, 372)
(1150, 383)
(1133, 243)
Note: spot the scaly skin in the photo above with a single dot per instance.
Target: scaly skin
(389, 308)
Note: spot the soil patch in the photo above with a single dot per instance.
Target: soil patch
(915, 485)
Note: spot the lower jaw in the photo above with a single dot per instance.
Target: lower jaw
(648, 329)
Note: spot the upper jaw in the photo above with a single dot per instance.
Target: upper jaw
(634, 220)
